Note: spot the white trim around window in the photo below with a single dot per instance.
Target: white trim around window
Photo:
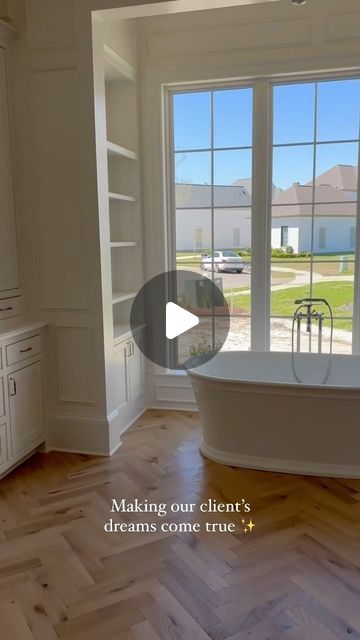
(261, 191)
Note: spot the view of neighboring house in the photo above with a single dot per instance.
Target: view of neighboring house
(334, 223)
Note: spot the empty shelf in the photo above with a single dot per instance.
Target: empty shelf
(121, 296)
(121, 196)
(116, 150)
(116, 68)
(123, 330)
(123, 244)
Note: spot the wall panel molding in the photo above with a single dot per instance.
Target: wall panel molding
(341, 27)
(54, 60)
(75, 364)
(50, 25)
(260, 36)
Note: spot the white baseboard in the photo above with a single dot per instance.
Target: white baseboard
(279, 465)
(78, 434)
(90, 435)
(174, 406)
(119, 422)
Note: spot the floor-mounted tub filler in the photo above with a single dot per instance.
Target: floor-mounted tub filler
(256, 414)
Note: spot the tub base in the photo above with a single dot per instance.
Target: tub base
(296, 467)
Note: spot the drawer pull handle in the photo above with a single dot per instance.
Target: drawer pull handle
(7, 309)
(25, 350)
(13, 392)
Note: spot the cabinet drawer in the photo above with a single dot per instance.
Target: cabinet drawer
(4, 454)
(23, 349)
(10, 307)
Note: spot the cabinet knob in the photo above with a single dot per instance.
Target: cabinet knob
(7, 309)
(25, 350)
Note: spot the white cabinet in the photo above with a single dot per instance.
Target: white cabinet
(26, 411)
(21, 395)
(9, 277)
(2, 397)
(4, 453)
(121, 382)
(136, 372)
(128, 383)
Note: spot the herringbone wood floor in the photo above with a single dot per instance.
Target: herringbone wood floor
(296, 576)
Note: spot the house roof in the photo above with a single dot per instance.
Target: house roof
(337, 186)
(238, 194)
(189, 196)
(342, 176)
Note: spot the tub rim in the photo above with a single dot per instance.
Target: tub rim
(289, 385)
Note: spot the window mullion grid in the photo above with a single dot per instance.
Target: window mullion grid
(261, 216)
(212, 203)
(356, 307)
(313, 190)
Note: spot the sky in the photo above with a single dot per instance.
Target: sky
(337, 121)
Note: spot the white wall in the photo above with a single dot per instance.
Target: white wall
(188, 221)
(239, 42)
(57, 206)
(55, 160)
(293, 235)
(337, 235)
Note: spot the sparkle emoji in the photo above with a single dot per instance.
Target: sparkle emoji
(250, 525)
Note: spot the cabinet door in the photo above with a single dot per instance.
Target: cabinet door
(4, 453)
(137, 374)
(121, 376)
(26, 407)
(9, 278)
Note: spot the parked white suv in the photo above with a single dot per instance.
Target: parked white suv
(223, 261)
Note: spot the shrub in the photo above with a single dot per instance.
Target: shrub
(204, 347)
(243, 252)
(278, 253)
(287, 252)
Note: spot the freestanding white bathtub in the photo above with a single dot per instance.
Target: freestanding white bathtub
(255, 414)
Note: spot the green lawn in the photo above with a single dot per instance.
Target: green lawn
(338, 294)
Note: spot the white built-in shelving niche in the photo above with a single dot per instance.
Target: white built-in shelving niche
(123, 187)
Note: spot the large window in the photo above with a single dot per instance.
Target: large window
(315, 178)
(311, 195)
(212, 185)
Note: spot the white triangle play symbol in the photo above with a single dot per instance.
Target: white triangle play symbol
(178, 320)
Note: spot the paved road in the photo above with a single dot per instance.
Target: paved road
(229, 279)
(301, 278)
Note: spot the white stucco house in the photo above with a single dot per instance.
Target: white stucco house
(334, 222)
(232, 221)
(334, 213)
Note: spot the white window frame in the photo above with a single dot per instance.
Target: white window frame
(262, 149)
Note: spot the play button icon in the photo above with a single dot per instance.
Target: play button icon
(178, 320)
(178, 316)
